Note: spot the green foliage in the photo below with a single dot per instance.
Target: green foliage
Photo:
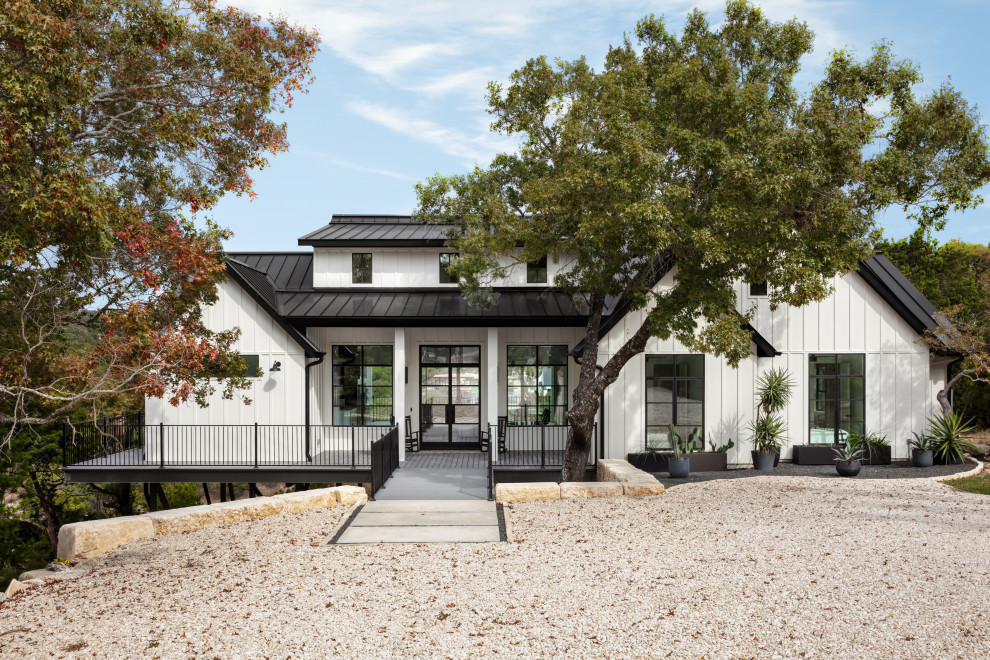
(946, 431)
(848, 452)
(695, 151)
(979, 484)
(681, 445)
(120, 116)
(921, 441)
(773, 391)
(721, 448)
(178, 496)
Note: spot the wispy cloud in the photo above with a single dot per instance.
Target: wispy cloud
(452, 141)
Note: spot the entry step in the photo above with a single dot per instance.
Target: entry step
(424, 521)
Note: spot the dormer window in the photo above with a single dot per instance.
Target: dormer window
(758, 290)
(536, 271)
(447, 258)
(361, 268)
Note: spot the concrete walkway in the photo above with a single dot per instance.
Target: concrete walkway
(439, 475)
(424, 521)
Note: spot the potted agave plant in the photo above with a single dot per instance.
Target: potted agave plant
(921, 451)
(847, 456)
(679, 465)
(768, 429)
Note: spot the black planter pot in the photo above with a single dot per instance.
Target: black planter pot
(922, 457)
(765, 460)
(813, 455)
(848, 468)
(679, 468)
(876, 456)
(700, 461)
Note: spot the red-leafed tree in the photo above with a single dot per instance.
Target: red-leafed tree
(118, 118)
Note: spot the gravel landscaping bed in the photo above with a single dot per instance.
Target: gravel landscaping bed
(760, 567)
(896, 470)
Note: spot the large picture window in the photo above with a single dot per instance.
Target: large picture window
(537, 385)
(675, 394)
(837, 391)
(362, 385)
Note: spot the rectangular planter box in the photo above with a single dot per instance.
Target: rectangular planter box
(699, 461)
(876, 456)
(813, 455)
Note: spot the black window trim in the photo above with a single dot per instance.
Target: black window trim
(565, 365)
(811, 394)
(537, 264)
(333, 387)
(673, 403)
(370, 267)
(451, 279)
(247, 366)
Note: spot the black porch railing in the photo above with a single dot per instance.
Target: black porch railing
(539, 447)
(127, 442)
(384, 459)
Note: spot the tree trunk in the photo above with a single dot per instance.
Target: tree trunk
(943, 395)
(52, 518)
(580, 435)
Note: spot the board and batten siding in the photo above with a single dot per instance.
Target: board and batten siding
(900, 378)
(403, 268)
(276, 398)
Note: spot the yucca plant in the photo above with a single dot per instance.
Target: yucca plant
(946, 431)
(773, 391)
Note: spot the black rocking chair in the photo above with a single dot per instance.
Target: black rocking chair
(412, 437)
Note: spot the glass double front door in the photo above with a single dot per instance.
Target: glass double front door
(450, 395)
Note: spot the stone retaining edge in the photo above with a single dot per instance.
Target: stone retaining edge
(615, 477)
(92, 538)
(962, 475)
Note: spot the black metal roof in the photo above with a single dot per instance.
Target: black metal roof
(261, 287)
(428, 307)
(377, 231)
(287, 270)
(891, 284)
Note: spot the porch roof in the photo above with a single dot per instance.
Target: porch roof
(428, 307)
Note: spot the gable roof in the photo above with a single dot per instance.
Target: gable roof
(376, 231)
(891, 284)
(261, 288)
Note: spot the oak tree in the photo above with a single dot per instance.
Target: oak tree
(119, 121)
(695, 152)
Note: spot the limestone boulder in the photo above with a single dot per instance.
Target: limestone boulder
(638, 489)
(612, 469)
(308, 500)
(572, 490)
(92, 538)
(526, 492)
(15, 586)
(46, 575)
(348, 495)
(176, 521)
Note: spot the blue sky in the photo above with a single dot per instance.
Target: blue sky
(400, 90)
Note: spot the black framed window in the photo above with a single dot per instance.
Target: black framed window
(362, 385)
(675, 394)
(253, 365)
(446, 258)
(536, 387)
(837, 391)
(758, 289)
(536, 271)
(361, 268)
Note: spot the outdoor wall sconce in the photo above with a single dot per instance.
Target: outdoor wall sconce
(276, 367)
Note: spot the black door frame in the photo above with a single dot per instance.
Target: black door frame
(449, 412)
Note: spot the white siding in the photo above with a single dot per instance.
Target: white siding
(392, 268)
(276, 398)
(900, 384)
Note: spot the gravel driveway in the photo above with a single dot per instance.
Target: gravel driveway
(761, 567)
